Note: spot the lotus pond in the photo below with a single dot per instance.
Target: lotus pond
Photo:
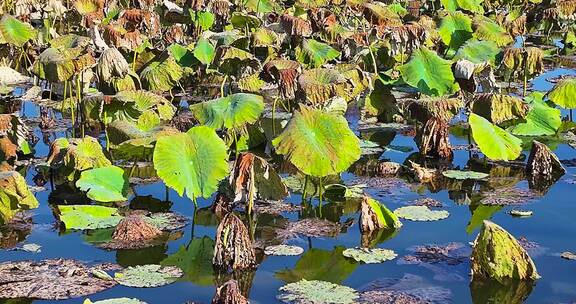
(287, 152)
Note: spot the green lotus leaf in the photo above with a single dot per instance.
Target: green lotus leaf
(263, 37)
(161, 74)
(235, 61)
(455, 30)
(314, 53)
(319, 264)
(370, 256)
(429, 73)
(14, 195)
(251, 83)
(85, 7)
(486, 29)
(421, 213)
(260, 6)
(467, 5)
(320, 85)
(457, 174)
(183, 56)
(541, 119)
(387, 218)
(55, 65)
(106, 184)
(84, 217)
(78, 155)
(318, 143)
(230, 112)
(148, 276)
(242, 21)
(498, 256)
(15, 32)
(195, 260)
(317, 292)
(115, 301)
(204, 51)
(478, 51)
(283, 250)
(494, 142)
(564, 93)
(480, 214)
(194, 161)
(204, 19)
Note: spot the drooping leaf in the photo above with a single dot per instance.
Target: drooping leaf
(230, 112)
(486, 29)
(455, 30)
(498, 108)
(194, 161)
(88, 216)
(106, 184)
(386, 218)
(319, 264)
(161, 74)
(421, 213)
(183, 56)
(478, 51)
(14, 195)
(148, 276)
(370, 256)
(14, 31)
(195, 260)
(318, 143)
(320, 85)
(314, 53)
(457, 174)
(204, 51)
(429, 73)
(467, 5)
(541, 119)
(494, 142)
(317, 292)
(564, 93)
(498, 256)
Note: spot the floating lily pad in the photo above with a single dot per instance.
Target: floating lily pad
(370, 256)
(568, 255)
(283, 250)
(167, 220)
(35, 248)
(88, 216)
(456, 174)
(115, 301)
(421, 213)
(106, 184)
(49, 280)
(317, 292)
(520, 213)
(148, 275)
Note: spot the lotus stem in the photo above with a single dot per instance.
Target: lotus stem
(133, 168)
(273, 112)
(222, 86)
(134, 61)
(50, 94)
(108, 137)
(194, 201)
(305, 187)
(64, 97)
(373, 59)
(320, 193)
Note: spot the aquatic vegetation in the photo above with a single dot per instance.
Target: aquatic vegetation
(286, 123)
(370, 256)
(498, 256)
(315, 291)
(420, 213)
(147, 275)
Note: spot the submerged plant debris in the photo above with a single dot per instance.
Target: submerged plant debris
(189, 141)
(57, 279)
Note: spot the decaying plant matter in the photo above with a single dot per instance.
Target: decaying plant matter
(543, 168)
(498, 256)
(229, 293)
(233, 249)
